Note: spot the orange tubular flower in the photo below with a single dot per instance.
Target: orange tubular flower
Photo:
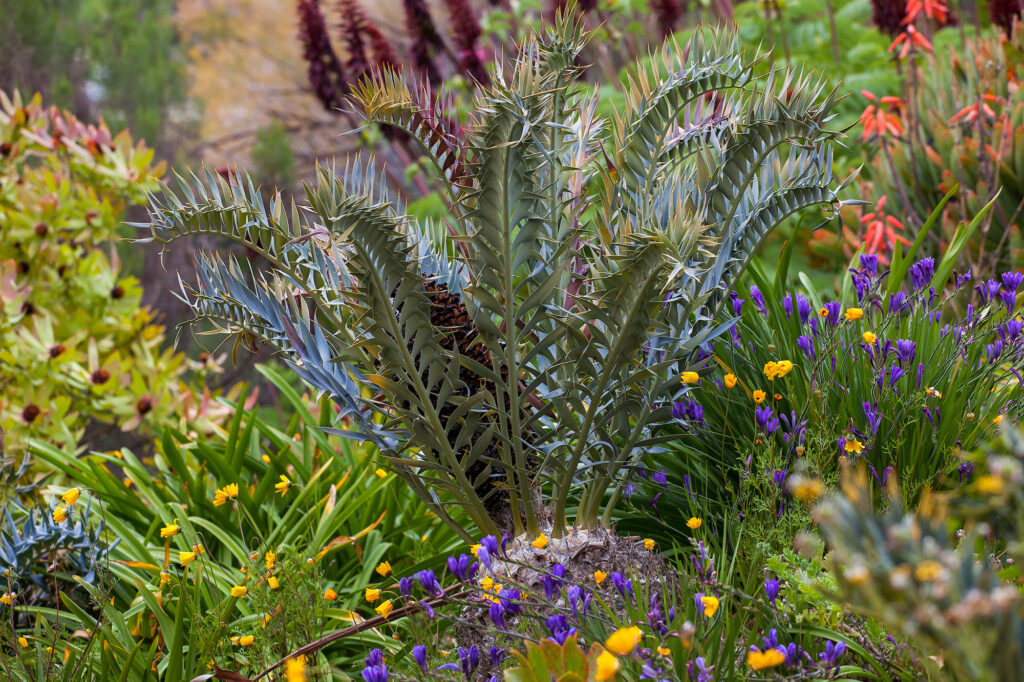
(932, 9)
(878, 119)
(880, 229)
(911, 39)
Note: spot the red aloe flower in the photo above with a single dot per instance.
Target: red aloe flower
(910, 39)
(1003, 12)
(932, 9)
(980, 108)
(880, 229)
(324, 69)
(878, 120)
(425, 39)
(667, 14)
(465, 34)
(353, 26)
(888, 15)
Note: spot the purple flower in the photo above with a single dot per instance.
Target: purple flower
(766, 419)
(894, 375)
(873, 416)
(920, 373)
(375, 657)
(806, 344)
(375, 670)
(779, 478)
(469, 659)
(553, 582)
(661, 478)
(898, 302)
(558, 626)
(832, 653)
(1010, 330)
(906, 351)
(921, 273)
(803, 307)
(623, 585)
(428, 582)
(419, 654)
(869, 263)
(496, 613)
(833, 308)
(497, 654)
(987, 290)
(703, 565)
(758, 299)
(461, 567)
(1009, 300)
(405, 586)
(699, 671)
(993, 351)
(1012, 280)
(737, 304)
(771, 590)
(964, 470)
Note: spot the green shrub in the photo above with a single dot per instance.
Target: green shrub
(75, 345)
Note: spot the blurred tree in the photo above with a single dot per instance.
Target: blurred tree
(116, 59)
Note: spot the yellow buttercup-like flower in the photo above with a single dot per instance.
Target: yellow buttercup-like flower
(806, 489)
(60, 515)
(170, 530)
(384, 568)
(246, 640)
(70, 497)
(992, 485)
(693, 523)
(541, 542)
(7, 598)
(607, 666)
(239, 591)
(269, 560)
(853, 445)
(869, 338)
(710, 605)
(648, 544)
(690, 377)
(283, 485)
(372, 594)
(853, 314)
(487, 583)
(185, 558)
(384, 610)
(759, 660)
(600, 576)
(23, 642)
(759, 396)
(730, 380)
(223, 495)
(623, 640)
(272, 582)
(295, 669)
(330, 594)
(381, 473)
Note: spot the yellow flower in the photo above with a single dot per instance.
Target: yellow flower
(771, 370)
(165, 578)
(239, 591)
(759, 660)
(710, 605)
(931, 392)
(541, 542)
(23, 643)
(384, 568)
(928, 570)
(998, 419)
(648, 544)
(70, 497)
(777, 396)
(607, 666)
(853, 314)
(381, 473)
(599, 576)
(693, 523)
(185, 558)
(198, 549)
(487, 583)
(759, 397)
(623, 640)
(785, 367)
(170, 530)
(474, 548)
(806, 489)
(993, 485)
(270, 559)
(266, 620)
(869, 338)
(246, 640)
(272, 582)
(853, 445)
(222, 495)
(60, 515)
(372, 594)
(266, 458)
(823, 312)
(730, 380)
(330, 594)
(385, 609)
(295, 669)
(7, 598)
(283, 485)
(663, 651)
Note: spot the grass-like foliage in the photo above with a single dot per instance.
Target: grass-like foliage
(535, 340)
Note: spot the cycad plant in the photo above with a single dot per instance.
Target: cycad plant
(517, 359)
